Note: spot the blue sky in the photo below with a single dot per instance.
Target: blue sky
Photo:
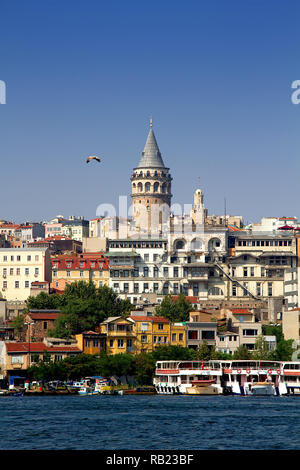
(83, 78)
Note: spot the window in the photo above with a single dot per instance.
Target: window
(36, 257)
(175, 272)
(233, 290)
(120, 343)
(249, 332)
(270, 289)
(17, 284)
(180, 336)
(175, 288)
(173, 337)
(146, 257)
(11, 258)
(26, 284)
(111, 343)
(11, 271)
(18, 271)
(68, 273)
(252, 271)
(17, 359)
(28, 258)
(146, 287)
(4, 272)
(4, 258)
(4, 284)
(166, 272)
(245, 272)
(144, 338)
(258, 289)
(262, 272)
(126, 287)
(208, 335)
(146, 271)
(193, 334)
(155, 256)
(136, 288)
(155, 271)
(58, 357)
(155, 287)
(18, 258)
(160, 326)
(81, 273)
(36, 271)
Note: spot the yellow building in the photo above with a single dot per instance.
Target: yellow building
(91, 342)
(120, 335)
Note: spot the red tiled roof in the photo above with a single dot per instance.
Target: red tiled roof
(38, 347)
(243, 311)
(44, 316)
(153, 319)
(87, 258)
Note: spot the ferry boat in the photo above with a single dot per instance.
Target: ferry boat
(186, 377)
(253, 377)
(291, 376)
(236, 377)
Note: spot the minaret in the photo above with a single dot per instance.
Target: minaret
(151, 189)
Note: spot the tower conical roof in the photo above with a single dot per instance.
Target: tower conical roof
(151, 156)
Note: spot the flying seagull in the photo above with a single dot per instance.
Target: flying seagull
(93, 158)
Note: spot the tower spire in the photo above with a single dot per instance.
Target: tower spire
(151, 121)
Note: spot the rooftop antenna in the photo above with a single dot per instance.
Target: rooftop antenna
(151, 121)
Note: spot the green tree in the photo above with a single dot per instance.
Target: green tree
(203, 352)
(174, 309)
(18, 325)
(242, 353)
(84, 307)
(261, 350)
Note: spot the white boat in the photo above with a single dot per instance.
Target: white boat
(237, 377)
(263, 388)
(246, 377)
(291, 376)
(178, 377)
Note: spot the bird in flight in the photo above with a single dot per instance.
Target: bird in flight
(93, 158)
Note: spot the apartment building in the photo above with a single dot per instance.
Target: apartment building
(82, 266)
(19, 267)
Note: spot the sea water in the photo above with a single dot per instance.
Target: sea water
(103, 422)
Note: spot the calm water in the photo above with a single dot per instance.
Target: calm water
(149, 422)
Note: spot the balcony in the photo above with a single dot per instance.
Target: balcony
(116, 332)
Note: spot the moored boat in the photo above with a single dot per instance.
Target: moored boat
(203, 387)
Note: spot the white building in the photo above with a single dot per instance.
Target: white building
(19, 267)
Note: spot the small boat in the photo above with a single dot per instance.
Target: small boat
(203, 387)
(262, 388)
(140, 391)
(87, 391)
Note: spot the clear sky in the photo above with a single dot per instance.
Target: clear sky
(83, 77)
